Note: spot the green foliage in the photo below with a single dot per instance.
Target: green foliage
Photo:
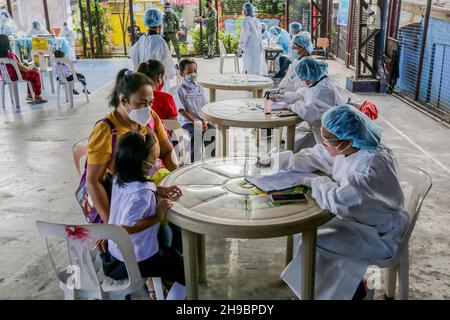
(102, 23)
(262, 6)
(230, 41)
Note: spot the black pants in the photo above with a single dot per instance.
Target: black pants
(190, 128)
(80, 78)
(167, 264)
(284, 66)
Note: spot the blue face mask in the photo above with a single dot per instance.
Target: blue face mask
(192, 77)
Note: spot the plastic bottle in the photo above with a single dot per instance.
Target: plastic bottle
(246, 78)
(267, 103)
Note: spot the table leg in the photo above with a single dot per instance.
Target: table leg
(289, 248)
(258, 137)
(190, 263)
(290, 138)
(201, 254)
(309, 240)
(221, 150)
(259, 93)
(212, 95)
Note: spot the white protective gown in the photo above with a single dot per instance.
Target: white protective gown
(313, 102)
(153, 47)
(70, 36)
(251, 44)
(290, 83)
(34, 33)
(366, 197)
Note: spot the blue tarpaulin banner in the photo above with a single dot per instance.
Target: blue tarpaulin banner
(342, 17)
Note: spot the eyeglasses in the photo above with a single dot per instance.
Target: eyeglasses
(328, 139)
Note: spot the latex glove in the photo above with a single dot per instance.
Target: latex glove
(277, 97)
(239, 52)
(264, 161)
(305, 181)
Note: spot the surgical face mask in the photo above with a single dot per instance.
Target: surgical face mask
(140, 116)
(192, 77)
(295, 54)
(334, 151)
(168, 10)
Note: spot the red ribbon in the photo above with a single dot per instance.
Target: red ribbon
(369, 109)
(76, 233)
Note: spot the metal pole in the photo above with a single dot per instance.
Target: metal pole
(350, 27)
(201, 26)
(47, 19)
(8, 5)
(83, 31)
(422, 48)
(133, 36)
(99, 27)
(287, 13)
(91, 31)
(359, 10)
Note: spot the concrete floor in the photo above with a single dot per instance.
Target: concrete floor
(39, 180)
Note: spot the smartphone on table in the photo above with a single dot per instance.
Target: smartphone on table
(288, 198)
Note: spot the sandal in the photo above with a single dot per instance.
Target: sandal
(29, 98)
(41, 100)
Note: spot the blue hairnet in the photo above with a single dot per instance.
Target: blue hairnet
(295, 26)
(348, 123)
(275, 30)
(303, 39)
(153, 18)
(311, 69)
(250, 9)
(263, 26)
(36, 24)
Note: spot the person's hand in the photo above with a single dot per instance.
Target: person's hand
(305, 181)
(264, 161)
(181, 33)
(204, 124)
(277, 97)
(102, 245)
(162, 207)
(172, 192)
(239, 52)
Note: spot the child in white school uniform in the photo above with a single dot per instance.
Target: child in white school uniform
(67, 73)
(135, 207)
(190, 99)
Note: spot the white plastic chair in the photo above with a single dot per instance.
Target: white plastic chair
(178, 135)
(13, 85)
(224, 55)
(45, 66)
(85, 279)
(62, 81)
(416, 184)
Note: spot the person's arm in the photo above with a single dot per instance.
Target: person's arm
(307, 160)
(177, 23)
(143, 224)
(98, 159)
(96, 191)
(186, 115)
(168, 62)
(244, 35)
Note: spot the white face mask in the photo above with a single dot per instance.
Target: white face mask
(140, 116)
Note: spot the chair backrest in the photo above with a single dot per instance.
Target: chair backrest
(4, 70)
(79, 150)
(322, 43)
(59, 68)
(416, 184)
(222, 50)
(80, 241)
(44, 59)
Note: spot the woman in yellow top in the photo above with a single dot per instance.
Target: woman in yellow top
(131, 99)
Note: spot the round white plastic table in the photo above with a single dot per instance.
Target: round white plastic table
(271, 53)
(217, 201)
(235, 82)
(246, 113)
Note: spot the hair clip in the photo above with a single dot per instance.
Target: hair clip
(128, 72)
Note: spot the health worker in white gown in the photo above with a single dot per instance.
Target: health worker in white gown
(362, 189)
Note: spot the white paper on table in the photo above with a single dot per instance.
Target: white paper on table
(276, 106)
(279, 181)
